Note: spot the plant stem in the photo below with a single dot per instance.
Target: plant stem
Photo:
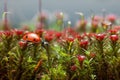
(102, 74)
(35, 50)
(48, 54)
(49, 61)
(19, 69)
(114, 50)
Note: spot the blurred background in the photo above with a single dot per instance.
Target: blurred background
(25, 11)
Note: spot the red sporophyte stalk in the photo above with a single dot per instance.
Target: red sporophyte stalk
(113, 38)
(22, 44)
(112, 18)
(40, 25)
(100, 37)
(73, 67)
(1, 33)
(42, 17)
(84, 44)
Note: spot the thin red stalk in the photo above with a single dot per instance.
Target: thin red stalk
(5, 19)
(40, 6)
(40, 9)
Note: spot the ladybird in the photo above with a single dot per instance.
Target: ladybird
(32, 37)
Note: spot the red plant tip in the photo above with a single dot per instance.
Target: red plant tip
(22, 44)
(114, 38)
(111, 18)
(100, 37)
(39, 31)
(79, 37)
(84, 43)
(31, 37)
(113, 31)
(50, 32)
(69, 39)
(73, 67)
(19, 32)
(58, 34)
(81, 58)
(69, 30)
(91, 34)
(8, 33)
(84, 34)
(49, 35)
(88, 35)
(48, 38)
